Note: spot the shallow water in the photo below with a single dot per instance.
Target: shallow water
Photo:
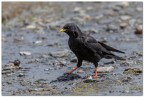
(40, 70)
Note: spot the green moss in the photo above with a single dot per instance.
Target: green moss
(83, 89)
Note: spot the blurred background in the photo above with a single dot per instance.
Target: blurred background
(35, 54)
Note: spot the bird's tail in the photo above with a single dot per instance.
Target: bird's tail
(114, 56)
(118, 58)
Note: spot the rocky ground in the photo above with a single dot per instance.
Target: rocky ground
(35, 55)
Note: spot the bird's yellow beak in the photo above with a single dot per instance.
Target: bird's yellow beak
(62, 30)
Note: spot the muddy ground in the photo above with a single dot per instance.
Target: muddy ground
(35, 55)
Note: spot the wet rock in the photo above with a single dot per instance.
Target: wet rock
(126, 63)
(48, 69)
(103, 39)
(99, 17)
(123, 25)
(53, 27)
(139, 29)
(21, 75)
(105, 69)
(111, 27)
(18, 39)
(78, 20)
(32, 27)
(60, 62)
(38, 91)
(11, 66)
(33, 61)
(123, 4)
(126, 91)
(135, 71)
(60, 54)
(38, 42)
(137, 87)
(78, 10)
(132, 22)
(139, 53)
(127, 79)
(89, 8)
(84, 89)
(125, 17)
(16, 62)
(90, 79)
(25, 53)
(53, 44)
(116, 8)
(66, 77)
(92, 30)
(112, 62)
(74, 60)
(139, 9)
(80, 71)
(87, 17)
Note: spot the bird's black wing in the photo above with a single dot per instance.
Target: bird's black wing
(94, 46)
(110, 48)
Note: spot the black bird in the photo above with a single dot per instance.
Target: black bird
(87, 48)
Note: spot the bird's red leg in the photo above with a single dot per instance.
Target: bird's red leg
(70, 72)
(95, 74)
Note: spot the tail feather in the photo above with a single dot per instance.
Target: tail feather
(114, 56)
(118, 58)
(110, 48)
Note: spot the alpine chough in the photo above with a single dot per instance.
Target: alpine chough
(87, 48)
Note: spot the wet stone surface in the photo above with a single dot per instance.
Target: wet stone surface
(35, 55)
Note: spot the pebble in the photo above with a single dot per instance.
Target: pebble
(123, 4)
(74, 60)
(87, 17)
(105, 69)
(16, 62)
(93, 31)
(48, 69)
(99, 17)
(25, 53)
(116, 9)
(132, 22)
(20, 75)
(52, 27)
(31, 27)
(38, 42)
(78, 20)
(103, 39)
(89, 8)
(19, 39)
(80, 71)
(123, 25)
(139, 53)
(127, 79)
(139, 29)
(60, 54)
(132, 71)
(125, 17)
(139, 9)
(126, 64)
(53, 44)
(78, 10)
(111, 27)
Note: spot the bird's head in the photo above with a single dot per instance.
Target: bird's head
(71, 29)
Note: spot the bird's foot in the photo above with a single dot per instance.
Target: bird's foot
(94, 76)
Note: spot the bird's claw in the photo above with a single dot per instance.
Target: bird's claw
(94, 76)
